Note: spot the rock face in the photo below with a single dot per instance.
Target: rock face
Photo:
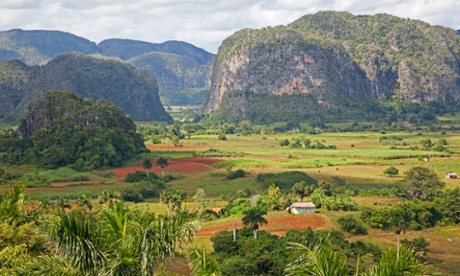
(134, 90)
(333, 64)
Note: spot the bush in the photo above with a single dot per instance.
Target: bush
(352, 225)
(236, 174)
(222, 137)
(133, 195)
(110, 175)
(284, 143)
(139, 176)
(285, 180)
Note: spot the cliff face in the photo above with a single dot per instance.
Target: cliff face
(134, 90)
(334, 62)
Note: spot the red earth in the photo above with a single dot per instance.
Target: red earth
(171, 147)
(179, 165)
(276, 225)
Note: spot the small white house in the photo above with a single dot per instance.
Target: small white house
(303, 208)
(451, 175)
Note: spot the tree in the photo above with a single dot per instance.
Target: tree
(200, 197)
(424, 183)
(302, 189)
(122, 242)
(318, 260)
(253, 217)
(200, 263)
(63, 204)
(107, 198)
(172, 199)
(147, 164)
(84, 201)
(391, 171)
(162, 162)
(404, 263)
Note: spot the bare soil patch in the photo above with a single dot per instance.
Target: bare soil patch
(276, 225)
(179, 165)
(172, 147)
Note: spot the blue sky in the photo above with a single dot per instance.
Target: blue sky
(204, 23)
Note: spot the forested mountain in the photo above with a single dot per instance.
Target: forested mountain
(37, 47)
(61, 129)
(134, 90)
(127, 48)
(333, 65)
(181, 80)
(182, 69)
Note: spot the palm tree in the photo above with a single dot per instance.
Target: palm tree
(162, 162)
(200, 263)
(253, 217)
(147, 164)
(318, 260)
(83, 201)
(109, 197)
(63, 204)
(167, 197)
(407, 263)
(75, 239)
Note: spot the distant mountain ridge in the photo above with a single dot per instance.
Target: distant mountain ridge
(132, 89)
(334, 65)
(40, 46)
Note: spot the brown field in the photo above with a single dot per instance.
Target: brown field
(172, 147)
(178, 165)
(278, 223)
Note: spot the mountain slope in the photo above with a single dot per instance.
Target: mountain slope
(181, 80)
(127, 48)
(37, 47)
(187, 80)
(134, 90)
(333, 65)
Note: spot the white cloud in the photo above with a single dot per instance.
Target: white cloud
(204, 23)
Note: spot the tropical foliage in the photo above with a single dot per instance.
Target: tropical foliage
(112, 239)
(63, 130)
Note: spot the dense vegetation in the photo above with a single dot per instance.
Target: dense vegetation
(63, 130)
(108, 238)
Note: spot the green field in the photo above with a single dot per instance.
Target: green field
(358, 159)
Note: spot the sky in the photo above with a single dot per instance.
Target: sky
(204, 23)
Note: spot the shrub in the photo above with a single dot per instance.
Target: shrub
(285, 180)
(139, 176)
(284, 143)
(133, 195)
(110, 175)
(352, 225)
(222, 137)
(236, 174)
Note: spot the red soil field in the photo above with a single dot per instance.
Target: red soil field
(179, 165)
(171, 147)
(276, 225)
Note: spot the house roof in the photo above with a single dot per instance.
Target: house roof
(303, 205)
